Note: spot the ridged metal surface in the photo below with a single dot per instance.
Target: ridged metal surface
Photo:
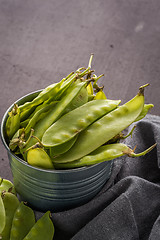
(55, 190)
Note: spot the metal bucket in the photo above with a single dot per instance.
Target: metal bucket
(54, 190)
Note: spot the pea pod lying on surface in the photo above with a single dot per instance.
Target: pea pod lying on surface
(11, 203)
(23, 221)
(42, 229)
(7, 186)
(13, 121)
(2, 216)
(103, 153)
(104, 129)
(54, 90)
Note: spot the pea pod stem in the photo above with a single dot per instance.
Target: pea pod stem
(131, 153)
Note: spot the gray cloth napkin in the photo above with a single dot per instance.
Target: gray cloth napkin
(128, 206)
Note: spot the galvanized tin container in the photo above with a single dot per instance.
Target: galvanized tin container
(54, 190)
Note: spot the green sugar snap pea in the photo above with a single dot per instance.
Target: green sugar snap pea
(105, 128)
(57, 111)
(6, 185)
(42, 229)
(144, 112)
(72, 123)
(62, 148)
(102, 154)
(2, 216)
(42, 96)
(13, 121)
(40, 114)
(11, 203)
(23, 221)
(37, 157)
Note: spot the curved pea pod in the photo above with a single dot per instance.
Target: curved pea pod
(62, 148)
(78, 101)
(72, 123)
(144, 112)
(56, 112)
(11, 203)
(7, 186)
(37, 157)
(49, 91)
(23, 221)
(54, 90)
(100, 95)
(105, 128)
(2, 216)
(40, 114)
(13, 121)
(42, 229)
(104, 153)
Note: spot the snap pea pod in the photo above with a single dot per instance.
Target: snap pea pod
(144, 112)
(67, 83)
(102, 154)
(100, 95)
(37, 157)
(49, 91)
(105, 128)
(72, 123)
(54, 90)
(42, 229)
(40, 114)
(6, 185)
(11, 203)
(23, 221)
(62, 148)
(53, 115)
(2, 216)
(13, 121)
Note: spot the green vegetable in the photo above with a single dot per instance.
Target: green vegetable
(104, 129)
(23, 221)
(11, 203)
(72, 123)
(42, 229)
(2, 216)
(37, 157)
(103, 153)
(13, 121)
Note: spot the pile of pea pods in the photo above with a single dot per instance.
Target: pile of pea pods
(72, 124)
(17, 220)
